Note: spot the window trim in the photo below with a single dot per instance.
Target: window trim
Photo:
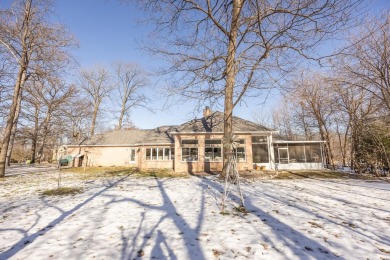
(158, 149)
(132, 152)
(190, 148)
(212, 159)
(245, 157)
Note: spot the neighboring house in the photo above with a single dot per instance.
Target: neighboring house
(196, 146)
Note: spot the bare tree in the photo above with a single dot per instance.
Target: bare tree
(358, 105)
(34, 45)
(131, 81)
(46, 96)
(96, 85)
(367, 64)
(233, 48)
(316, 96)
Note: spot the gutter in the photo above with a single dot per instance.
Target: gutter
(117, 145)
(296, 142)
(237, 132)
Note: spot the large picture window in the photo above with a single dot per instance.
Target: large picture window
(189, 151)
(158, 154)
(213, 150)
(260, 149)
(189, 154)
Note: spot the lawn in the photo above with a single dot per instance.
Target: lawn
(118, 215)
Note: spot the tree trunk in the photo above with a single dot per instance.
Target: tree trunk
(93, 123)
(13, 131)
(122, 114)
(44, 134)
(20, 80)
(34, 138)
(11, 117)
(230, 81)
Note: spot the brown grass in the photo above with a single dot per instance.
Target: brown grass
(123, 171)
(303, 174)
(62, 191)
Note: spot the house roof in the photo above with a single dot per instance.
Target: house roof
(163, 134)
(158, 135)
(215, 123)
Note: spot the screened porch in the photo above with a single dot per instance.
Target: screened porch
(298, 154)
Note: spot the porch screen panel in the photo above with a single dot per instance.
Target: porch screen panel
(313, 153)
(277, 155)
(296, 153)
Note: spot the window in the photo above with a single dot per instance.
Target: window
(260, 149)
(161, 153)
(166, 154)
(189, 154)
(132, 155)
(241, 142)
(213, 150)
(213, 142)
(189, 142)
(148, 154)
(213, 154)
(189, 151)
(240, 154)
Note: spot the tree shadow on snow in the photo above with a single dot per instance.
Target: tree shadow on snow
(188, 234)
(28, 239)
(296, 241)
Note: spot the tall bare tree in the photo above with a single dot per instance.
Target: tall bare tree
(34, 45)
(232, 48)
(367, 64)
(96, 84)
(131, 80)
(47, 96)
(316, 96)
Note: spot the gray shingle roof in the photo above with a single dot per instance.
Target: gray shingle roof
(163, 134)
(214, 123)
(129, 137)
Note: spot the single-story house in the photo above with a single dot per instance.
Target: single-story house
(196, 146)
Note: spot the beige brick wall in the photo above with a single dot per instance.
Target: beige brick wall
(201, 165)
(120, 156)
(153, 164)
(106, 156)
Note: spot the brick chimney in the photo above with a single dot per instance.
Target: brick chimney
(206, 111)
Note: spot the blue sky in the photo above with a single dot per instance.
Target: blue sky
(107, 32)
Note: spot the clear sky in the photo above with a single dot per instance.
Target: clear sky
(107, 32)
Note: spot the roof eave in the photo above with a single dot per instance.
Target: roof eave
(117, 145)
(236, 132)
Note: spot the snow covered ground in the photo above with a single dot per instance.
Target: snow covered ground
(125, 217)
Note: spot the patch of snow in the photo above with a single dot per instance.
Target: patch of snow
(129, 217)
